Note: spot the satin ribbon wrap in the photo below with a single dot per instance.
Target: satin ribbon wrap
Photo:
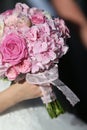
(48, 77)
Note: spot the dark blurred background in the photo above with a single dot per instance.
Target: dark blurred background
(73, 66)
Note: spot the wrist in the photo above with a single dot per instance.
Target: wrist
(17, 93)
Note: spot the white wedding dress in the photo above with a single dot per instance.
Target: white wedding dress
(31, 115)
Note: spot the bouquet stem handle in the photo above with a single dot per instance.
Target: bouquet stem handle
(51, 103)
(54, 109)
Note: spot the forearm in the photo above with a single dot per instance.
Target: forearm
(10, 97)
(69, 10)
(18, 92)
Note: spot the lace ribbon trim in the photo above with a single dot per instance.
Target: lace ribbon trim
(51, 77)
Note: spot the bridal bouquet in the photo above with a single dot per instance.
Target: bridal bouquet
(31, 44)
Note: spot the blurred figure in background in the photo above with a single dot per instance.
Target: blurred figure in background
(73, 66)
(69, 10)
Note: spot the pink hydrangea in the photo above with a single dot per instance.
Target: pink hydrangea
(32, 33)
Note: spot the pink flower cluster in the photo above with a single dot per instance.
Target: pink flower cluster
(30, 41)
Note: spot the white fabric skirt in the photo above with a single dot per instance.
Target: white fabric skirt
(31, 115)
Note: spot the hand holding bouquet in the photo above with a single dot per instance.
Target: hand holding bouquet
(31, 43)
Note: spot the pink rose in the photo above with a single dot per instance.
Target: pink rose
(11, 73)
(38, 18)
(24, 67)
(13, 49)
